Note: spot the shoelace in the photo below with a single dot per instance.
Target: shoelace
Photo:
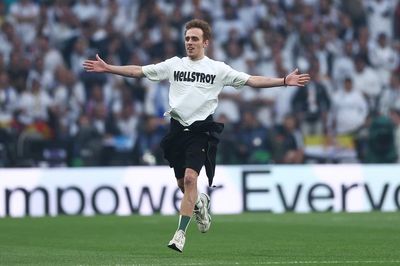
(179, 237)
(198, 216)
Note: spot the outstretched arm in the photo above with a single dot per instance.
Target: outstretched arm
(99, 65)
(293, 79)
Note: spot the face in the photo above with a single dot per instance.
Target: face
(195, 44)
(290, 123)
(348, 85)
(360, 65)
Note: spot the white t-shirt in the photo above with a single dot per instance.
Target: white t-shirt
(351, 110)
(195, 85)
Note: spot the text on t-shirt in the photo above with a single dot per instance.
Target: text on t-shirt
(194, 77)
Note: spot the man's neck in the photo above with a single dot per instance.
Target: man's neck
(197, 58)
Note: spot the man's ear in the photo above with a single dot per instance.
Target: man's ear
(205, 43)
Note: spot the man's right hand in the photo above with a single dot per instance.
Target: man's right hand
(97, 65)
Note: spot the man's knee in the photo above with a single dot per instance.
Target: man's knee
(190, 178)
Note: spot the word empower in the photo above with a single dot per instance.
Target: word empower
(194, 77)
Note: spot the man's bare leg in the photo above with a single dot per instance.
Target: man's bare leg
(190, 192)
(190, 195)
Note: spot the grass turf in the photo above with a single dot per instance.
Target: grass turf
(247, 239)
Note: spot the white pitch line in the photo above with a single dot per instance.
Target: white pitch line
(342, 262)
(329, 262)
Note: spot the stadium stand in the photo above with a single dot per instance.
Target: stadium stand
(52, 113)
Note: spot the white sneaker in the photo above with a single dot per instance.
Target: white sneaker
(178, 241)
(202, 214)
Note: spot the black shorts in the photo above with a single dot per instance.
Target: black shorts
(191, 148)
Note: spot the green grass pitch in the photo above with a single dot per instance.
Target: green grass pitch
(247, 239)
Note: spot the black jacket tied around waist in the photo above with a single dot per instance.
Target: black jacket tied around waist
(213, 129)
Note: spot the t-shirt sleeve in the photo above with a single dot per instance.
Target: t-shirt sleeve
(157, 72)
(234, 78)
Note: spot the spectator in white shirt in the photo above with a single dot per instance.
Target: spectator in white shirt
(85, 10)
(343, 64)
(52, 57)
(34, 103)
(79, 54)
(229, 21)
(379, 16)
(390, 97)
(38, 71)
(7, 37)
(25, 16)
(383, 57)
(350, 109)
(8, 100)
(366, 81)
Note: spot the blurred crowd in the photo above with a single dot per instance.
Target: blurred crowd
(52, 113)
